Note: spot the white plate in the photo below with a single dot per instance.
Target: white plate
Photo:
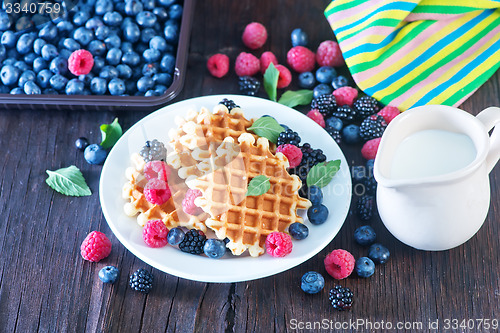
(337, 196)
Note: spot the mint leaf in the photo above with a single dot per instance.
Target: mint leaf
(267, 127)
(110, 134)
(271, 81)
(321, 174)
(258, 185)
(293, 98)
(68, 181)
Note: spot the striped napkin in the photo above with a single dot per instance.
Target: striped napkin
(410, 53)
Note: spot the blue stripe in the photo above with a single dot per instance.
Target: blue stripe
(429, 53)
(400, 5)
(368, 47)
(460, 74)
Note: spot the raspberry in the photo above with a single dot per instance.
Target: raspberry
(339, 264)
(246, 64)
(95, 247)
(254, 35)
(278, 244)
(188, 205)
(285, 76)
(317, 117)
(345, 95)
(80, 62)
(301, 59)
(329, 54)
(155, 233)
(293, 153)
(156, 169)
(157, 191)
(265, 59)
(218, 65)
(389, 113)
(370, 148)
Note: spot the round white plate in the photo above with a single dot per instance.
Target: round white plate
(337, 196)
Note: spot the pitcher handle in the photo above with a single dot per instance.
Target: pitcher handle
(490, 117)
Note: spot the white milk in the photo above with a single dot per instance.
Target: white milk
(430, 153)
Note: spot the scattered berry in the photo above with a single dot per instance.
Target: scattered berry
(278, 244)
(378, 253)
(153, 151)
(301, 59)
(325, 104)
(345, 95)
(288, 136)
(193, 242)
(335, 134)
(298, 230)
(157, 191)
(285, 77)
(141, 280)
(175, 236)
(389, 113)
(307, 80)
(317, 117)
(157, 169)
(372, 127)
(95, 247)
(292, 153)
(95, 154)
(317, 214)
(339, 264)
(364, 207)
(109, 274)
(81, 143)
(188, 205)
(248, 85)
(155, 233)
(214, 248)
(266, 59)
(299, 37)
(341, 298)
(365, 267)
(326, 74)
(370, 148)
(80, 62)
(218, 65)
(254, 35)
(369, 167)
(345, 113)
(339, 82)
(322, 89)
(246, 64)
(366, 106)
(370, 184)
(334, 123)
(329, 54)
(315, 195)
(229, 104)
(365, 235)
(312, 282)
(351, 134)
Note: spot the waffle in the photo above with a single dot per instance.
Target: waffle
(170, 212)
(247, 220)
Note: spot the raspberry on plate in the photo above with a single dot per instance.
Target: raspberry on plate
(389, 113)
(188, 205)
(157, 191)
(155, 233)
(293, 153)
(95, 247)
(265, 59)
(301, 59)
(370, 148)
(156, 169)
(329, 54)
(218, 65)
(284, 78)
(246, 64)
(254, 35)
(345, 95)
(317, 117)
(339, 264)
(278, 244)
(80, 62)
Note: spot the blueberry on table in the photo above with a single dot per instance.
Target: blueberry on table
(378, 253)
(109, 274)
(364, 267)
(325, 74)
(298, 230)
(339, 82)
(299, 37)
(334, 123)
(365, 235)
(351, 134)
(312, 282)
(307, 80)
(95, 154)
(81, 143)
(214, 248)
(317, 214)
(322, 89)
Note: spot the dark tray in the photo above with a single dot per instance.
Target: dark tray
(113, 103)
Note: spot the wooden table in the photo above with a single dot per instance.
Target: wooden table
(46, 286)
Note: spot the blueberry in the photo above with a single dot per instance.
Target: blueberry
(298, 230)
(71, 44)
(4, 89)
(39, 64)
(131, 32)
(315, 195)
(17, 91)
(145, 19)
(365, 235)
(171, 32)
(3, 53)
(214, 248)
(378, 253)
(148, 4)
(86, 78)
(175, 236)
(161, 13)
(58, 82)
(307, 80)
(162, 79)
(94, 23)
(133, 7)
(21, 65)
(83, 36)
(167, 63)
(28, 58)
(98, 86)
(326, 74)
(38, 44)
(65, 53)
(74, 87)
(49, 91)
(30, 88)
(94, 153)
(322, 89)
(120, 7)
(9, 38)
(48, 32)
(102, 32)
(299, 37)
(364, 267)
(149, 69)
(26, 76)
(113, 41)
(9, 75)
(317, 214)
(334, 123)
(312, 282)
(81, 17)
(116, 86)
(103, 6)
(114, 56)
(158, 43)
(49, 52)
(99, 63)
(151, 55)
(339, 82)
(109, 72)
(160, 89)
(112, 18)
(146, 36)
(4, 20)
(351, 134)
(12, 54)
(175, 12)
(109, 274)
(369, 167)
(166, 3)
(145, 83)
(151, 92)
(65, 26)
(97, 48)
(25, 43)
(43, 78)
(124, 71)
(126, 47)
(59, 65)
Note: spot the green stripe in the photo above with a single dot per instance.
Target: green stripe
(386, 22)
(393, 48)
(344, 6)
(437, 9)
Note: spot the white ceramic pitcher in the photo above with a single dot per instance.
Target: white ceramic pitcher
(438, 212)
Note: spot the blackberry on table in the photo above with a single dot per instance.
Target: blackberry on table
(372, 127)
(366, 106)
(229, 104)
(153, 151)
(325, 104)
(141, 280)
(335, 134)
(364, 207)
(370, 185)
(290, 137)
(248, 85)
(341, 298)
(346, 114)
(193, 242)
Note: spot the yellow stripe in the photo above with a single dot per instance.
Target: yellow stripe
(484, 4)
(349, 19)
(372, 38)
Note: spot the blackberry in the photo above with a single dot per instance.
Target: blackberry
(364, 207)
(333, 133)
(366, 106)
(153, 151)
(372, 127)
(345, 113)
(288, 136)
(141, 280)
(310, 157)
(341, 298)
(370, 185)
(193, 242)
(229, 104)
(248, 85)
(325, 104)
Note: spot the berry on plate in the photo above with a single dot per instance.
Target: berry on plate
(329, 54)
(156, 169)
(95, 247)
(246, 64)
(193, 242)
(157, 191)
(315, 195)
(155, 233)
(312, 282)
(95, 154)
(214, 248)
(292, 153)
(365, 235)
(298, 230)
(317, 214)
(141, 280)
(229, 104)
(278, 244)
(365, 267)
(254, 36)
(109, 274)
(288, 136)
(339, 264)
(218, 65)
(175, 236)
(378, 253)
(317, 117)
(153, 151)
(188, 205)
(80, 62)
(301, 59)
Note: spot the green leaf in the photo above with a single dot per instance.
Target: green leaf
(268, 128)
(321, 174)
(293, 98)
(258, 185)
(110, 134)
(68, 181)
(271, 81)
